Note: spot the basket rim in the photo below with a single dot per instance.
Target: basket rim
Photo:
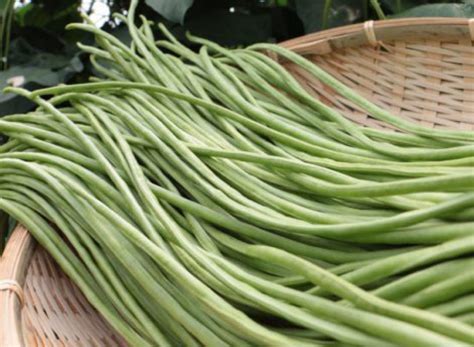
(20, 247)
(323, 42)
(13, 266)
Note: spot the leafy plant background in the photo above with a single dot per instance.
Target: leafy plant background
(36, 50)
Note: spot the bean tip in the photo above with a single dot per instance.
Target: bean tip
(71, 26)
(20, 91)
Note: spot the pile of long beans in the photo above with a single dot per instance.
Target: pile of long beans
(206, 198)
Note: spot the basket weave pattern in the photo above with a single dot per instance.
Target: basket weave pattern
(427, 77)
(412, 84)
(48, 318)
(420, 69)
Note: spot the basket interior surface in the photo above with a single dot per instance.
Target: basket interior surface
(429, 80)
(57, 313)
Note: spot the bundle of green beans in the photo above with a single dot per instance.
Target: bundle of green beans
(208, 199)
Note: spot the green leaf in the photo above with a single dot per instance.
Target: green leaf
(42, 76)
(440, 10)
(342, 12)
(173, 10)
(34, 69)
(46, 17)
(392, 5)
(33, 77)
(3, 3)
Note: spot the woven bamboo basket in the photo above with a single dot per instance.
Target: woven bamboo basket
(421, 69)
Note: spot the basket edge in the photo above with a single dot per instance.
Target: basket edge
(325, 41)
(13, 265)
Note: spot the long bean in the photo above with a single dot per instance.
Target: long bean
(206, 197)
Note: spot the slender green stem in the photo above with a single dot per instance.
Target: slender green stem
(377, 8)
(326, 13)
